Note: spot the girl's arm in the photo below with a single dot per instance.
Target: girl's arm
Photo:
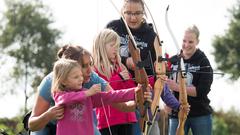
(113, 97)
(129, 106)
(75, 96)
(169, 99)
(69, 97)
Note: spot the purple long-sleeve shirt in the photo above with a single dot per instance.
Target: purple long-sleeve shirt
(169, 99)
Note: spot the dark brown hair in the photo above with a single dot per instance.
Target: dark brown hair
(73, 52)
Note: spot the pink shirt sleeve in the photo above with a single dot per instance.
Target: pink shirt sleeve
(113, 97)
(69, 97)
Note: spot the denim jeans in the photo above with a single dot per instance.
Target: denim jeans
(136, 126)
(201, 125)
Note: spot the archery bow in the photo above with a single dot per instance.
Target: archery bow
(160, 71)
(181, 75)
(140, 76)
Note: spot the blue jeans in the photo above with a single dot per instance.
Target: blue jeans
(136, 126)
(201, 125)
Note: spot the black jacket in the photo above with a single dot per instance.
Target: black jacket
(200, 75)
(144, 37)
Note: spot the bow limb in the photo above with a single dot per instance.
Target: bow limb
(182, 114)
(170, 30)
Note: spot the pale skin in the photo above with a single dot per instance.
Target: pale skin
(133, 13)
(42, 112)
(74, 81)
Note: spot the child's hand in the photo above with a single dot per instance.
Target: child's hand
(96, 88)
(125, 74)
(147, 94)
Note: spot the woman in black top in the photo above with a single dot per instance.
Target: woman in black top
(199, 80)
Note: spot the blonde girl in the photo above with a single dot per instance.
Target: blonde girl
(107, 63)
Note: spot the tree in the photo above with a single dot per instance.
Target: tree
(219, 126)
(226, 123)
(27, 35)
(227, 47)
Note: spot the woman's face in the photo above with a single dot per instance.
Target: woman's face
(86, 68)
(112, 51)
(189, 44)
(133, 14)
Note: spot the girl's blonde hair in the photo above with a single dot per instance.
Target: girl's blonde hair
(61, 69)
(100, 58)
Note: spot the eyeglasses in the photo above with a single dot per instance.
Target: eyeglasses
(136, 14)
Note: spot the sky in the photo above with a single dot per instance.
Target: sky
(81, 21)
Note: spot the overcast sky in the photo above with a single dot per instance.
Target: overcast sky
(81, 20)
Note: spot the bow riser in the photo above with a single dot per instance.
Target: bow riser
(182, 114)
(160, 71)
(158, 87)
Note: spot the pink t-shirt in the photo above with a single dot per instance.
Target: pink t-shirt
(78, 117)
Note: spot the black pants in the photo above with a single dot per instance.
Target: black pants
(123, 129)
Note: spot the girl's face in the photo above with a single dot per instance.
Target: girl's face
(189, 45)
(86, 68)
(74, 79)
(133, 14)
(112, 51)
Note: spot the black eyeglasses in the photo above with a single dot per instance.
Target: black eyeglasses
(137, 13)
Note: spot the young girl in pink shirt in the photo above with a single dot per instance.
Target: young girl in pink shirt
(107, 64)
(79, 102)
